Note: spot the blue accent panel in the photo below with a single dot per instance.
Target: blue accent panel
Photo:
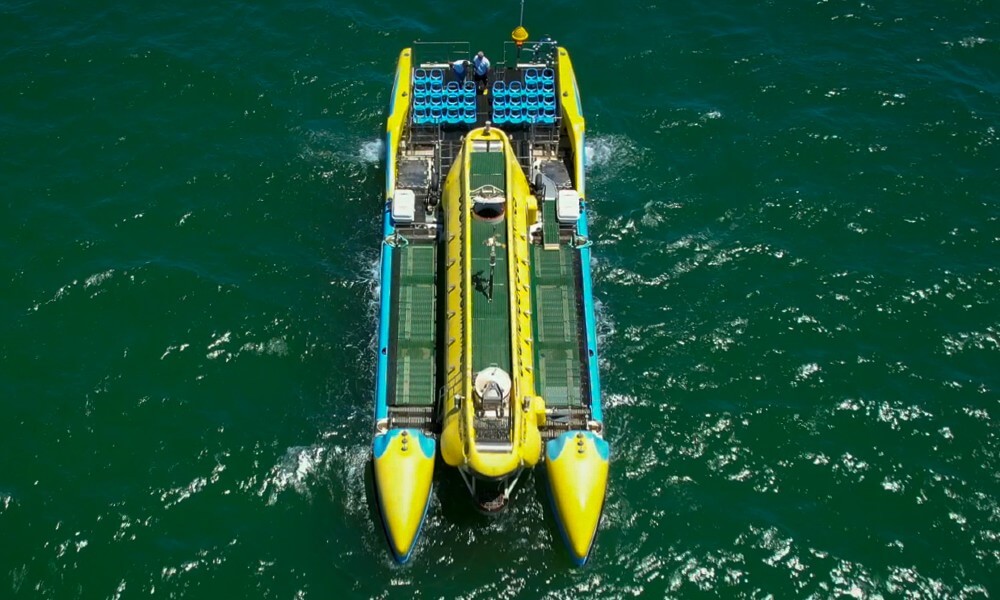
(381, 381)
(390, 166)
(381, 443)
(555, 447)
(603, 448)
(428, 445)
(589, 320)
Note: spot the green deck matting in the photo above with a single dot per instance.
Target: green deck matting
(486, 168)
(490, 320)
(559, 368)
(413, 331)
(550, 226)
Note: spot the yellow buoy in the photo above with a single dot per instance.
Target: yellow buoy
(519, 35)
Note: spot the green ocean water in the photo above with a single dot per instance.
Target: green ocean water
(797, 264)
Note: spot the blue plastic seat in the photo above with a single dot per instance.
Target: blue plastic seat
(548, 76)
(435, 115)
(437, 75)
(419, 115)
(531, 114)
(453, 90)
(515, 115)
(435, 102)
(453, 115)
(419, 76)
(469, 114)
(499, 89)
(500, 116)
(452, 101)
(531, 77)
(515, 90)
(548, 115)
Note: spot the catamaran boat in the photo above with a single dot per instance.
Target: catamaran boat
(487, 348)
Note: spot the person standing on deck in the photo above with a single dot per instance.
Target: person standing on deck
(481, 65)
(461, 69)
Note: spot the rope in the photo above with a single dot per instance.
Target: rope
(397, 241)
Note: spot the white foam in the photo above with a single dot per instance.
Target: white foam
(293, 471)
(617, 151)
(807, 370)
(372, 151)
(274, 347)
(98, 278)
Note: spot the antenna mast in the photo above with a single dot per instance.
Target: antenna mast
(520, 34)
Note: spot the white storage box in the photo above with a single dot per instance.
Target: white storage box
(568, 206)
(404, 206)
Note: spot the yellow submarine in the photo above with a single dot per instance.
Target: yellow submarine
(487, 346)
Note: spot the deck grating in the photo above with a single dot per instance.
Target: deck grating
(490, 320)
(413, 332)
(558, 343)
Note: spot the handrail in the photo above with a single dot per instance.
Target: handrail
(440, 52)
(539, 51)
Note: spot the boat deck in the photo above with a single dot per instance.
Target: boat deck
(560, 367)
(412, 361)
(491, 289)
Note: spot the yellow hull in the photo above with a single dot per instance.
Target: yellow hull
(404, 469)
(459, 440)
(578, 480)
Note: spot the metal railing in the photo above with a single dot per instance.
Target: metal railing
(537, 52)
(440, 52)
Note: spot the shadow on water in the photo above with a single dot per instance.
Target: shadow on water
(371, 499)
(457, 505)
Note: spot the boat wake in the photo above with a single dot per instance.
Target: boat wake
(296, 470)
(606, 155)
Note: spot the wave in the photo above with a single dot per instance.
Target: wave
(611, 152)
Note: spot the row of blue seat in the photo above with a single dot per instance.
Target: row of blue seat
(516, 115)
(517, 89)
(436, 89)
(534, 76)
(452, 115)
(531, 99)
(423, 76)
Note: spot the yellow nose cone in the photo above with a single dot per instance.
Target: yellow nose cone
(404, 469)
(577, 465)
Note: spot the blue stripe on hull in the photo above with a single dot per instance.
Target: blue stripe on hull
(385, 284)
(589, 321)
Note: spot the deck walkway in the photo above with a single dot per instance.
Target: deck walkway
(490, 303)
(560, 368)
(414, 329)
